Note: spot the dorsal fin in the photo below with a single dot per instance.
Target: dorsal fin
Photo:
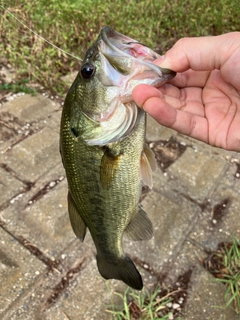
(77, 223)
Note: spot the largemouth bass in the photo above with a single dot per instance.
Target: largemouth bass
(102, 142)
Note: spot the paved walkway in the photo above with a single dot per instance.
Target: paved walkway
(46, 273)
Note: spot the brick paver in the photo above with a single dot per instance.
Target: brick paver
(46, 273)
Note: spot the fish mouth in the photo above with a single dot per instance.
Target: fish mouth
(117, 48)
(124, 63)
(120, 43)
(123, 45)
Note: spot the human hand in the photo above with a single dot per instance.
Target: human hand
(203, 100)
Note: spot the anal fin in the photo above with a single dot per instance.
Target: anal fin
(77, 223)
(140, 227)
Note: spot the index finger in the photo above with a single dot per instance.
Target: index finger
(190, 78)
(199, 53)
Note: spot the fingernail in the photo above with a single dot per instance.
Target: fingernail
(164, 63)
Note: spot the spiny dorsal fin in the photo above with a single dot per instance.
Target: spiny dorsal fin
(77, 223)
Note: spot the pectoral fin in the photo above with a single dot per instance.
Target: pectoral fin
(77, 223)
(148, 165)
(109, 165)
(140, 227)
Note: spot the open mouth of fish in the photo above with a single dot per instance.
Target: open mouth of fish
(125, 63)
(126, 53)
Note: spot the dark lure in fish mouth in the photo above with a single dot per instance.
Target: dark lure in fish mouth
(102, 142)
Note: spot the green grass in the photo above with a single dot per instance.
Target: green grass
(19, 86)
(224, 264)
(143, 305)
(230, 273)
(72, 25)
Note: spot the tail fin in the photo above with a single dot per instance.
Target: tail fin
(120, 269)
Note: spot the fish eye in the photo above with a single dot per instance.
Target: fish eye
(87, 71)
